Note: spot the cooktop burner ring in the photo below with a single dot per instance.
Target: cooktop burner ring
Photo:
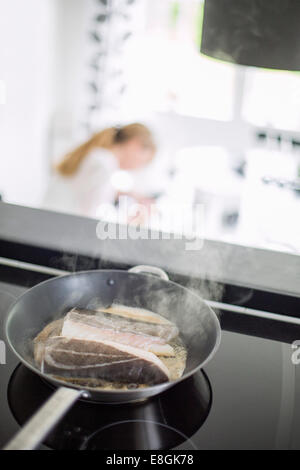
(91, 441)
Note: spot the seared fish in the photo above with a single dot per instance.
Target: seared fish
(70, 357)
(138, 314)
(166, 331)
(100, 326)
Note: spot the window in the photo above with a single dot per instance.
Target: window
(165, 71)
(272, 99)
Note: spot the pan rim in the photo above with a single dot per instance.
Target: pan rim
(152, 388)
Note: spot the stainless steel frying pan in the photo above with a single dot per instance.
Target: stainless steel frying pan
(142, 286)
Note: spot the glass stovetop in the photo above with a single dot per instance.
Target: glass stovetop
(247, 398)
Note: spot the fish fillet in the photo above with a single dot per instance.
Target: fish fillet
(70, 357)
(53, 329)
(93, 328)
(136, 314)
(166, 331)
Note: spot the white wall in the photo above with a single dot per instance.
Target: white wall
(70, 64)
(26, 57)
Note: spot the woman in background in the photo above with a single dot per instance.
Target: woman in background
(82, 180)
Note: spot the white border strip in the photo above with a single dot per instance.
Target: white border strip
(2, 92)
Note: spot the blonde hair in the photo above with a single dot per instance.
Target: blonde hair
(105, 139)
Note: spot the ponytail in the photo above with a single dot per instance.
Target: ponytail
(72, 161)
(104, 139)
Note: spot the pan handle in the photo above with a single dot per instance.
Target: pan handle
(44, 420)
(150, 270)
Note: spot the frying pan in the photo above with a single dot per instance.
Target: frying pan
(142, 286)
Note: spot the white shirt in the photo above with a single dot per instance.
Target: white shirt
(84, 192)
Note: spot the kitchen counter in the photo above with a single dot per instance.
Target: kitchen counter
(70, 242)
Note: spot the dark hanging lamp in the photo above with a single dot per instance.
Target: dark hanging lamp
(260, 33)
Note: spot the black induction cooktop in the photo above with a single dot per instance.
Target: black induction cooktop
(248, 397)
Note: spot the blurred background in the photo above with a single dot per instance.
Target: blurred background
(228, 136)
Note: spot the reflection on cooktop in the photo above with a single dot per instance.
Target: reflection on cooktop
(162, 422)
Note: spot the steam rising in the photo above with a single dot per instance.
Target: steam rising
(199, 272)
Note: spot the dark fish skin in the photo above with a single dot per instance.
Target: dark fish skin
(167, 332)
(69, 357)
